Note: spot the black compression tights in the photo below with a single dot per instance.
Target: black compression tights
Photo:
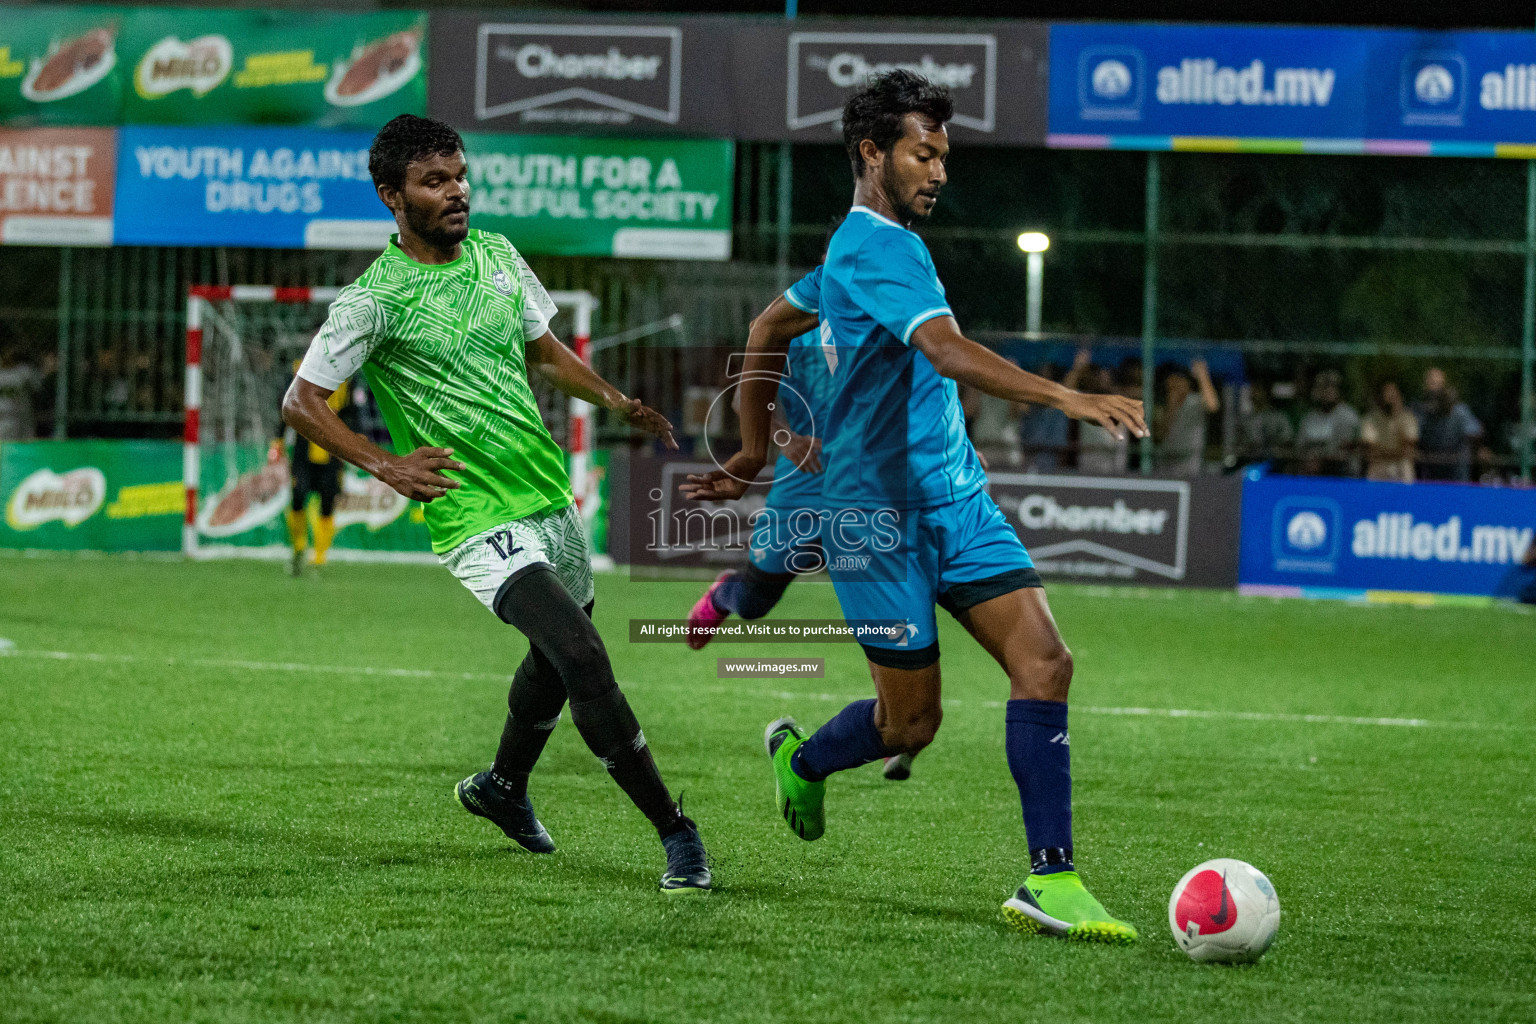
(567, 661)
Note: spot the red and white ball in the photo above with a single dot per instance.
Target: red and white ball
(1224, 911)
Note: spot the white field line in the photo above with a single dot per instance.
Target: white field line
(495, 677)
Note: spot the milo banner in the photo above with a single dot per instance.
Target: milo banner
(272, 67)
(60, 65)
(246, 494)
(574, 196)
(172, 65)
(92, 495)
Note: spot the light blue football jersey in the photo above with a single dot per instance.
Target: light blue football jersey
(802, 399)
(894, 433)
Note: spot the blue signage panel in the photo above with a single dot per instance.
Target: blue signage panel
(1325, 90)
(285, 188)
(1322, 534)
(1206, 80)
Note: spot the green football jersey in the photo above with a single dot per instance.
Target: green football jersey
(443, 345)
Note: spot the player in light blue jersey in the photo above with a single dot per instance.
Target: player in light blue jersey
(909, 523)
(786, 536)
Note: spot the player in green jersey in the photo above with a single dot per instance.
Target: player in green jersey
(449, 321)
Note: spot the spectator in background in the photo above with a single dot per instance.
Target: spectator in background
(1326, 436)
(1186, 403)
(18, 379)
(1264, 432)
(1098, 452)
(992, 423)
(1389, 433)
(1447, 430)
(1043, 431)
(1128, 379)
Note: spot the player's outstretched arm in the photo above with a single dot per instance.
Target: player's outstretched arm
(767, 342)
(556, 363)
(418, 475)
(955, 356)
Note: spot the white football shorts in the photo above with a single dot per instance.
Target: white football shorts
(489, 562)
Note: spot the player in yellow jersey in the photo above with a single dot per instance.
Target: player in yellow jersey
(449, 322)
(312, 471)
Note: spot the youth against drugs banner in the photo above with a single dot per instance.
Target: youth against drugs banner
(285, 188)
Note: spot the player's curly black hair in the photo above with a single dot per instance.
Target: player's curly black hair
(876, 111)
(408, 138)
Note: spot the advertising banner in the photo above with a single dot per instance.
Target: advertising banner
(200, 66)
(1214, 87)
(284, 188)
(509, 71)
(92, 495)
(60, 65)
(573, 196)
(1093, 529)
(247, 495)
(1315, 536)
(1126, 529)
(790, 80)
(56, 186)
(246, 498)
(752, 79)
(173, 65)
(663, 532)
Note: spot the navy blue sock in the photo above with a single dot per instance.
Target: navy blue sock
(750, 593)
(727, 595)
(1039, 757)
(847, 741)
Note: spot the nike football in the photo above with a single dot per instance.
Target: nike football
(1224, 911)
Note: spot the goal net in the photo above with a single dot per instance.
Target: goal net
(243, 345)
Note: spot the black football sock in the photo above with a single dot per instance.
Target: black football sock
(613, 734)
(533, 704)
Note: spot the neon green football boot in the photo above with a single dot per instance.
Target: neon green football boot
(799, 801)
(1058, 904)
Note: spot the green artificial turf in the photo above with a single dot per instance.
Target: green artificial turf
(215, 806)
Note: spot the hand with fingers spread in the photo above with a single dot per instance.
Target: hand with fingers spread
(642, 417)
(1115, 413)
(419, 476)
(725, 484)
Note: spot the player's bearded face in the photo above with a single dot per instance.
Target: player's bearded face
(436, 199)
(913, 171)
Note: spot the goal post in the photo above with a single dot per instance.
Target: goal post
(242, 344)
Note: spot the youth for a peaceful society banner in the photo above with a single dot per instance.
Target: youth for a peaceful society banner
(56, 186)
(284, 188)
(172, 65)
(574, 196)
